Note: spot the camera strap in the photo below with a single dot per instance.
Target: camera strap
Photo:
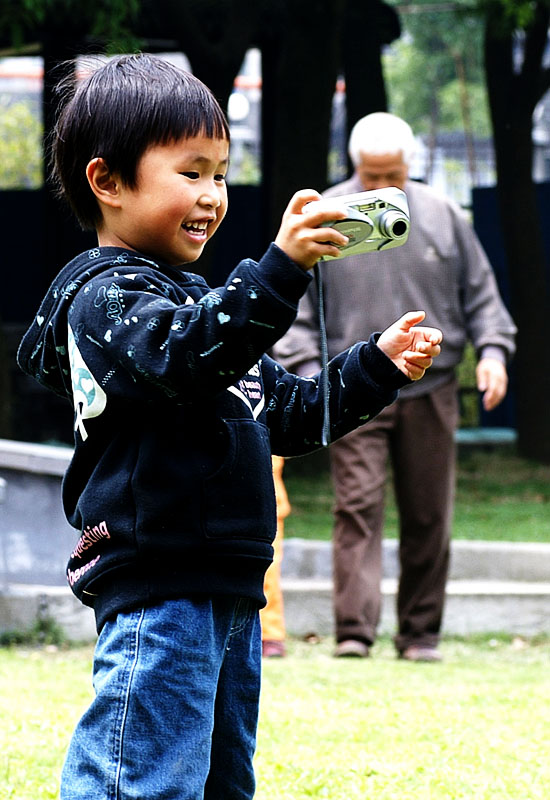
(324, 381)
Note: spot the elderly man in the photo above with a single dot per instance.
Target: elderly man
(442, 268)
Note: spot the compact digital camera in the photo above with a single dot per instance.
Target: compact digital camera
(376, 220)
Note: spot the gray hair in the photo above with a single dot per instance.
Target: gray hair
(381, 133)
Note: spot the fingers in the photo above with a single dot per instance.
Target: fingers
(427, 337)
(432, 336)
(430, 347)
(415, 364)
(492, 381)
(420, 359)
(328, 236)
(300, 199)
(414, 372)
(493, 395)
(490, 400)
(411, 318)
(324, 211)
(300, 236)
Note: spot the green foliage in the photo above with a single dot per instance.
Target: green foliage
(107, 20)
(436, 66)
(15, 17)
(112, 21)
(247, 171)
(20, 146)
(468, 396)
(450, 110)
(410, 94)
(44, 632)
(512, 15)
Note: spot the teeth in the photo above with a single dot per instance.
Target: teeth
(201, 226)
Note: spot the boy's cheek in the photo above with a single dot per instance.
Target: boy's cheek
(220, 219)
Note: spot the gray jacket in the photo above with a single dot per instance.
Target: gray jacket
(441, 269)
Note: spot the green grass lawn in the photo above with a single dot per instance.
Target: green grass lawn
(476, 726)
(499, 496)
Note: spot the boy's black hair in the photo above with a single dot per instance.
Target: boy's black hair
(116, 113)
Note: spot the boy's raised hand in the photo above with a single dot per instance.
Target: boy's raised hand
(412, 349)
(300, 236)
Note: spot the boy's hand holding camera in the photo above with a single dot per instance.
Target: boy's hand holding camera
(300, 236)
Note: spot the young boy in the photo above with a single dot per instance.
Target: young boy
(177, 412)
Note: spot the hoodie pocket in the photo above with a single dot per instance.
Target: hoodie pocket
(239, 496)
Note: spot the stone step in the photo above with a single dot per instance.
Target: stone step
(470, 560)
(471, 606)
(493, 587)
(23, 605)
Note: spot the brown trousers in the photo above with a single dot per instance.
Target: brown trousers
(417, 435)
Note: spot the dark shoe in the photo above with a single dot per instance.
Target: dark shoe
(273, 649)
(351, 648)
(417, 652)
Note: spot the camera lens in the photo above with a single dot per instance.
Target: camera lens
(399, 228)
(393, 225)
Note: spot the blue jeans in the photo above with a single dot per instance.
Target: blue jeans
(176, 706)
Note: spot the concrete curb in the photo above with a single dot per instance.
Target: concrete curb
(23, 605)
(494, 587)
(508, 561)
(470, 607)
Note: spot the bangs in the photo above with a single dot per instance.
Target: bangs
(154, 107)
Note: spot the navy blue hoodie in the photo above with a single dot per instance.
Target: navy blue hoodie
(177, 411)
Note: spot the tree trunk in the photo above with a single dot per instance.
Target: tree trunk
(466, 116)
(361, 58)
(299, 79)
(512, 104)
(368, 25)
(214, 35)
(63, 238)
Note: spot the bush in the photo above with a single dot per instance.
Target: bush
(44, 632)
(20, 146)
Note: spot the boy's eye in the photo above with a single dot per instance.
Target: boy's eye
(193, 175)
(219, 177)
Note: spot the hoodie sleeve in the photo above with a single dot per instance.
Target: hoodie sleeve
(133, 334)
(362, 381)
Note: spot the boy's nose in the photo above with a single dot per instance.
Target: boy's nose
(211, 197)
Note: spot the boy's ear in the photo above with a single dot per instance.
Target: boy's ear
(103, 183)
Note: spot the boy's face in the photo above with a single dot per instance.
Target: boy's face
(179, 201)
